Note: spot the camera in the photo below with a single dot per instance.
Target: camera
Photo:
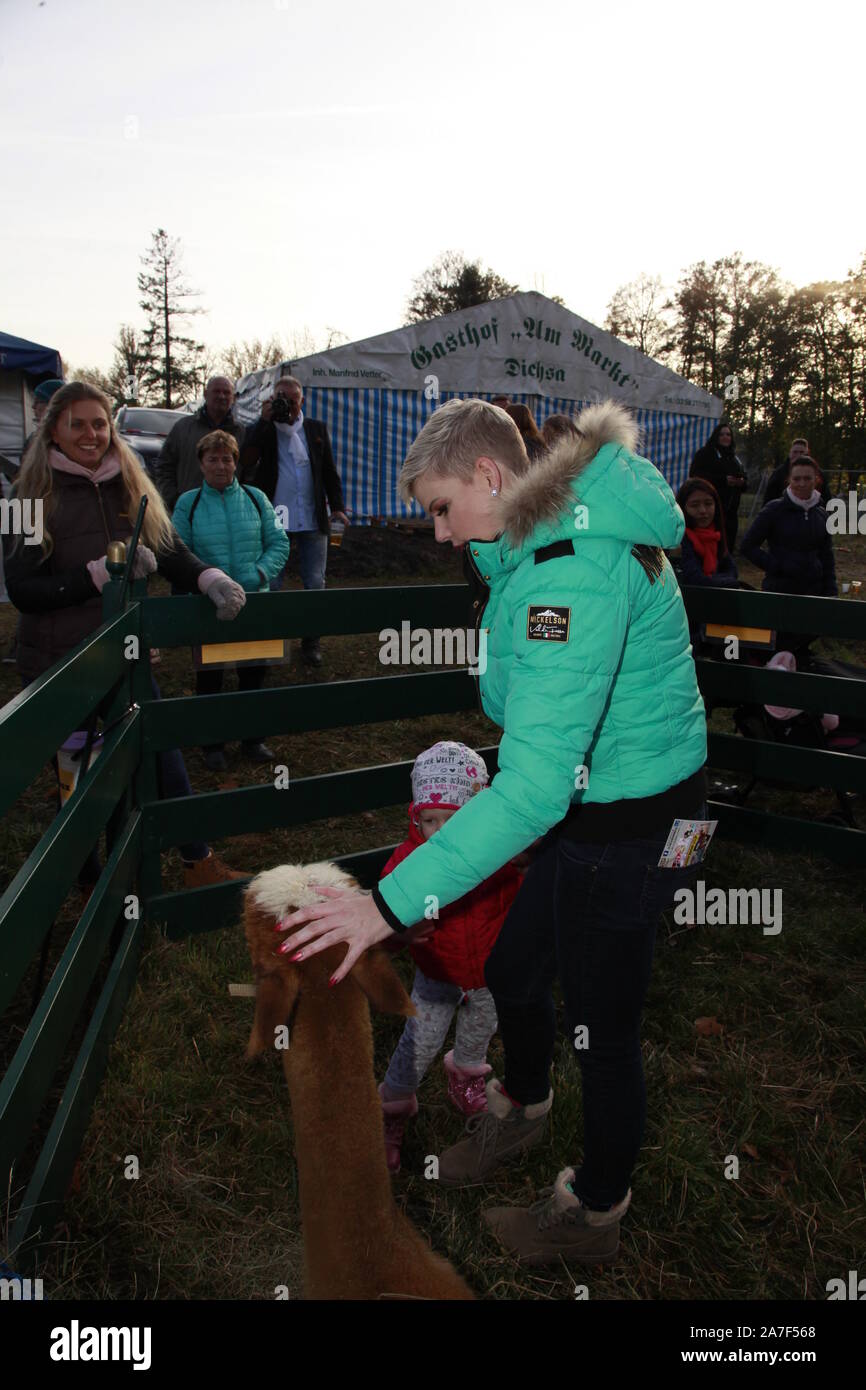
(281, 410)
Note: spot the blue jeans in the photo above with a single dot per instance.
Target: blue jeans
(311, 548)
(585, 914)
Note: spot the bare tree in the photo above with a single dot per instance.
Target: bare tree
(637, 314)
(128, 368)
(251, 355)
(95, 377)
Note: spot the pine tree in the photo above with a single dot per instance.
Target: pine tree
(170, 359)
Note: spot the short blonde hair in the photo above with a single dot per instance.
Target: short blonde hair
(217, 439)
(456, 436)
(289, 381)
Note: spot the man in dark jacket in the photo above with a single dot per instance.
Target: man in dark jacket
(778, 479)
(177, 468)
(290, 459)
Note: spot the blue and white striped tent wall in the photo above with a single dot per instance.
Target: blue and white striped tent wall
(372, 430)
(353, 417)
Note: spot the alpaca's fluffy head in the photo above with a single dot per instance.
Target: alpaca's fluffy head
(281, 890)
(280, 983)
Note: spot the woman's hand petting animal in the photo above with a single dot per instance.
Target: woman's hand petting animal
(350, 917)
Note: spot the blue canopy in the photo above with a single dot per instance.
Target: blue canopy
(18, 355)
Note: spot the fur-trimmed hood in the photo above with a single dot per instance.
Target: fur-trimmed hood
(623, 494)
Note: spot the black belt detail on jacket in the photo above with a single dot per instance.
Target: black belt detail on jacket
(553, 551)
(390, 917)
(634, 818)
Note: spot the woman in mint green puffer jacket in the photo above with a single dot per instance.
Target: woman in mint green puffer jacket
(589, 671)
(236, 529)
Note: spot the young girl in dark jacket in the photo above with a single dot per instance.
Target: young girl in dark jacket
(704, 555)
(86, 485)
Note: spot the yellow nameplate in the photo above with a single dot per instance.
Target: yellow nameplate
(217, 652)
(762, 635)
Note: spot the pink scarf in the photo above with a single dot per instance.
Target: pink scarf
(108, 466)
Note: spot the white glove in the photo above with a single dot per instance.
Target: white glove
(144, 562)
(143, 565)
(227, 597)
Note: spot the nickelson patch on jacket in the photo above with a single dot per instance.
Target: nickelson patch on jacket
(547, 624)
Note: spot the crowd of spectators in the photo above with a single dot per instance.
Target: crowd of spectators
(229, 505)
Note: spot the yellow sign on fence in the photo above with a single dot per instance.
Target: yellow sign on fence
(749, 636)
(219, 653)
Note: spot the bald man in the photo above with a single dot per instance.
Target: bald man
(177, 468)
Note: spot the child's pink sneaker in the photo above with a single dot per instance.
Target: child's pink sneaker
(466, 1085)
(395, 1114)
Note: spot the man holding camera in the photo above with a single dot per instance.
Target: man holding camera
(290, 459)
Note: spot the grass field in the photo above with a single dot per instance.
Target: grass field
(780, 1085)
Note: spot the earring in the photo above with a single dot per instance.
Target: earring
(494, 492)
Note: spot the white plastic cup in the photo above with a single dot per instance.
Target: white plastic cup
(69, 761)
(337, 529)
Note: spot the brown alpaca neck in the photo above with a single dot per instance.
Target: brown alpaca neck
(343, 1180)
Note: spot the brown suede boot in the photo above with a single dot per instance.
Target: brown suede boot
(504, 1130)
(210, 870)
(557, 1227)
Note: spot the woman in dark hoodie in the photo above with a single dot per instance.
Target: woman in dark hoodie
(799, 554)
(704, 555)
(717, 463)
(86, 484)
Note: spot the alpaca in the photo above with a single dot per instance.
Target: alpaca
(357, 1244)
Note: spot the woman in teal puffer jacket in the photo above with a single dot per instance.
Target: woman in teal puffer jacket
(588, 669)
(237, 529)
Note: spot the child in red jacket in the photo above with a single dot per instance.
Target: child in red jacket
(449, 955)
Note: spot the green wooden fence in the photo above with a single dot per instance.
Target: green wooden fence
(120, 794)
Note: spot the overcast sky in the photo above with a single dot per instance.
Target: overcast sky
(314, 157)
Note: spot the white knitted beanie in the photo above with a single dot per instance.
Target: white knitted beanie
(448, 775)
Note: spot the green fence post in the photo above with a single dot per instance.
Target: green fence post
(122, 698)
(145, 786)
(147, 780)
(126, 695)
